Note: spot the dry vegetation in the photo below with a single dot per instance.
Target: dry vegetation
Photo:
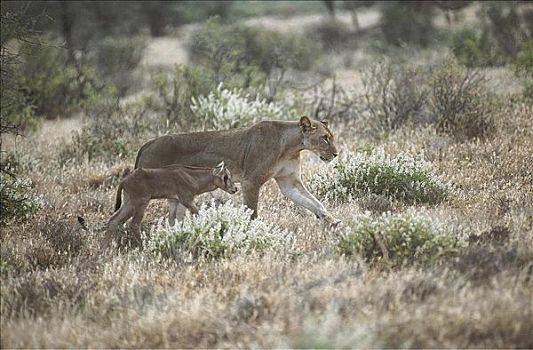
(60, 289)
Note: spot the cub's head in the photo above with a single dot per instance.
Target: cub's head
(223, 178)
(318, 138)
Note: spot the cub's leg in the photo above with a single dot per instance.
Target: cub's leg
(188, 202)
(192, 208)
(135, 224)
(125, 212)
(175, 211)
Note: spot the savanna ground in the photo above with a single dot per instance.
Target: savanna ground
(59, 288)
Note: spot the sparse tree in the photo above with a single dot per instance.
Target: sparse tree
(330, 6)
(353, 7)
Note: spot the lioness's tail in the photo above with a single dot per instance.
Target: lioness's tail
(118, 201)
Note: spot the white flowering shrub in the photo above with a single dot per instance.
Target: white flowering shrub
(396, 240)
(17, 199)
(225, 109)
(217, 232)
(402, 177)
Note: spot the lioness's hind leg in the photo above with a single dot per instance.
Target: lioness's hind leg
(250, 193)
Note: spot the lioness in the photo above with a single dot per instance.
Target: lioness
(255, 154)
(178, 182)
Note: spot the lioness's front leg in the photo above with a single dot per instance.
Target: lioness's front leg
(292, 187)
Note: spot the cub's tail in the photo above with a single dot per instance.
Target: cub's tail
(118, 201)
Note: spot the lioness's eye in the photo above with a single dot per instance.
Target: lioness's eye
(326, 140)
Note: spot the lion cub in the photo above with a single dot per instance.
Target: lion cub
(178, 182)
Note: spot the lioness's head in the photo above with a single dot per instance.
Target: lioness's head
(223, 178)
(318, 138)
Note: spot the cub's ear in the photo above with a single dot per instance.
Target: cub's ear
(325, 122)
(305, 124)
(218, 169)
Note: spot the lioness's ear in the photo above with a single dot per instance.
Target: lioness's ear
(305, 124)
(325, 122)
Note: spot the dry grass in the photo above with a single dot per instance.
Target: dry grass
(59, 289)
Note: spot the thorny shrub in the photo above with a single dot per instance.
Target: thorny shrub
(396, 240)
(225, 109)
(171, 95)
(65, 238)
(217, 232)
(452, 97)
(109, 131)
(461, 102)
(402, 177)
(43, 292)
(57, 244)
(480, 263)
(394, 95)
(524, 67)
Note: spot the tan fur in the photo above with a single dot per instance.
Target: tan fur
(268, 149)
(177, 182)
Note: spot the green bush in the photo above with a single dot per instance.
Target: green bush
(51, 85)
(225, 109)
(217, 232)
(401, 177)
(524, 67)
(502, 31)
(461, 102)
(15, 111)
(18, 201)
(55, 86)
(474, 49)
(17, 115)
(398, 240)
